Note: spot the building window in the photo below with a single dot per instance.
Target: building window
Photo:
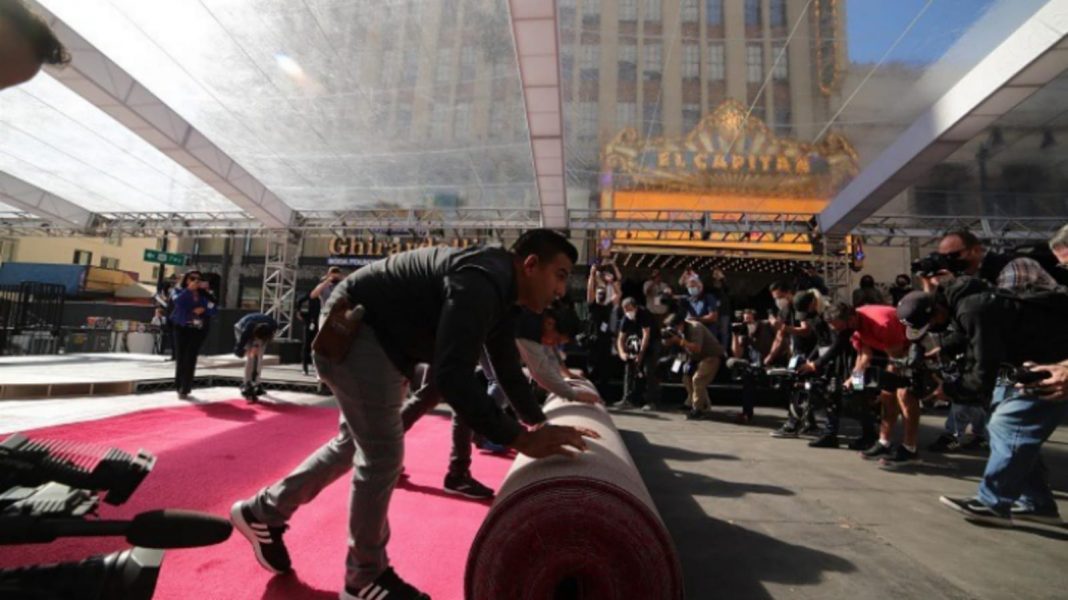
(411, 68)
(691, 61)
(716, 64)
(467, 63)
(587, 125)
(108, 262)
(250, 297)
(651, 62)
(652, 10)
(628, 10)
(714, 12)
(567, 65)
(778, 13)
(752, 13)
(626, 114)
(403, 119)
(444, 70)
(389, 66)
(438, 121)
(754, 63)
(691, 114)
(781, 71)
(461, 128)
(783, 120)
(651, 121)
(588, 59)
(690, 11)
(83, 257)
(628, 63)
(591, 12)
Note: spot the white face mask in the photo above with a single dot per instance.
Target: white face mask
(693, 290)
(783, 303)
(631, 315)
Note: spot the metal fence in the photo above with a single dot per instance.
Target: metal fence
(31, 316)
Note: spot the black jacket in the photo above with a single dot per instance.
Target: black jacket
(1002, 328)
(441, 306)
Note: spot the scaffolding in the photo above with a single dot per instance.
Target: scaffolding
(280, 281)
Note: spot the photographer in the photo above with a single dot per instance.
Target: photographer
(638, 346)
(655, 289)
(326, 287)
(605, 277)
(828, 359)
(751, 341)
(704, 354)
(700, 306)
(794, 336)
(877, 328)
(969, 257)
(1006, 333)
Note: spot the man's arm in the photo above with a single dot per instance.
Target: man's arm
(504, 356)
(471, 307)
(838, 346)
(986, 351)
(646, 337)
(544, 368)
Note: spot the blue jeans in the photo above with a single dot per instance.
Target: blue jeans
(1015, 471)
(961, 415)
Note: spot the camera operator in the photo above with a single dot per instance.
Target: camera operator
(655, 289)
(902, 286)
(971, 258)
(638, 344)
(1005, 333)
(704, 355)
(600, 329)
(605, 276)
(829, 358)
(751, 340)
(867, 293)
(877, 328)
(794, 336)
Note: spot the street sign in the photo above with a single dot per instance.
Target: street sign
(165, 258)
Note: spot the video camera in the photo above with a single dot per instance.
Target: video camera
(50, 489)
(935, 263)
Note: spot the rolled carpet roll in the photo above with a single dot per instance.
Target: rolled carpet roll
(583, 528)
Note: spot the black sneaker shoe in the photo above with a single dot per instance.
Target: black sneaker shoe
(258, 390)
(1049, 516)
(860, 443)
(947, 442)
(899, 458)
(466, 486)
(810, 429)
(266, 541)
(976, 443)
(876, 450)
(827, 440)
(974, 510)
(387, 586)
(786, 431)
(695, 415)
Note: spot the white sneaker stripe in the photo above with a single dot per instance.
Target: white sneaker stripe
(380, 594)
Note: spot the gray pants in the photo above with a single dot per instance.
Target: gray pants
(369, 391)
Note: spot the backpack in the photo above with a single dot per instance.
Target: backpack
(1053, 300)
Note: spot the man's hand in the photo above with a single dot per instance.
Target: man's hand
(587, 397)
(1054, 387)
(551, 440)
(808, 367)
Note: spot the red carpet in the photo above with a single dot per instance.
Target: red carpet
(212, 454)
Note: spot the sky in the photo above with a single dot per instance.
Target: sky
(872, 26)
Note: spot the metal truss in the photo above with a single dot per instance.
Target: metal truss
(710, 225)
(418, 220)
(280, 281)
(902, 230)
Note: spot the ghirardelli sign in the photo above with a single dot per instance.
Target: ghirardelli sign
(363, 247)
(731, 153)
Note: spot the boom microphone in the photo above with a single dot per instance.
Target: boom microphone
(153, 529)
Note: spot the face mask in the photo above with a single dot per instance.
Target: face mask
(631, 315)
(693, 290)
(783, 303)
(752, 327)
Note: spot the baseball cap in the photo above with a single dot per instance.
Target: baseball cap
(803, 299)
(915, 311)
